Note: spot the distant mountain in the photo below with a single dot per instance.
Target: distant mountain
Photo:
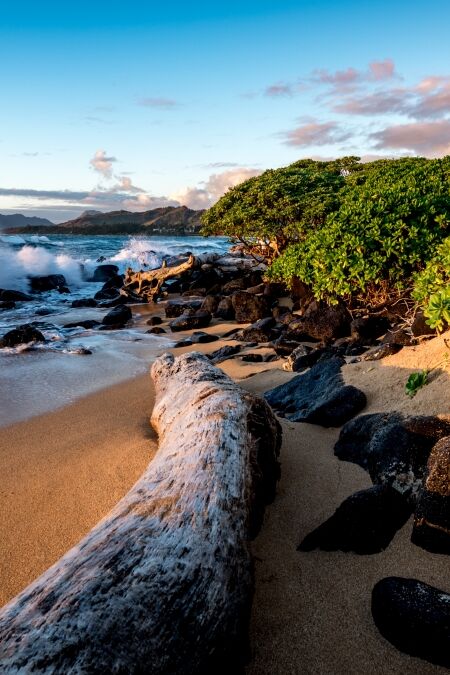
(174, 220)
(19, 220)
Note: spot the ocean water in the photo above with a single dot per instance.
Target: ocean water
(45, 376)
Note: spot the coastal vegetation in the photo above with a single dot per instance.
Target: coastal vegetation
(359, 232)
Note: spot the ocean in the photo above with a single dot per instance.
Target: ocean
(55, 373)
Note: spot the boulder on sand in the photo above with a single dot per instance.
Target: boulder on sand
(319, 396)
(190, 320)
(431, 528)
(321, 322)
(364, 523)
(414, 617)
(249, 308)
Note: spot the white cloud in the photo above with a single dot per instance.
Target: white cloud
(102, 163)
(209, 191)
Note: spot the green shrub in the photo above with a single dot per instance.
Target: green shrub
(391, 217)
(432, 287)
(281, 206)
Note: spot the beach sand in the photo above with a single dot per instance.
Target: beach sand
(62, 472)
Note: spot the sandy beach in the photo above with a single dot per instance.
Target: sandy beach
(64, 470)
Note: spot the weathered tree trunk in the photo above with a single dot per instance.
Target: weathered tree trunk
(147, 285)
(164, 583)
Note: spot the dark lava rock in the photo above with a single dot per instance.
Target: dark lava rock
(7, 304)
(364, 523)
(156, 330)
(282, 314)
(419, 325)
(319, 396)
(88, 324)
(275, 289)
(49, 282)
(224, 353)
(116, 300)
(233, 286)
(260, 331)
(115, 281)
(368, 329)
(431, 528)
(225, 309)
(283, 346)
(301, 358)
(321, 322)
(256, 290)
(21, 335)
(17, 296)
(231, 333)
(182, 343)
(210, 303)
(188, 321)
(381, 351)
(398, 337)
(177, 307)
(393, 449)
(154, 321)
(249, 308)
(414, 617)
(84, 302)
(104, 273)
(107, 294)
(118, 316)
(252, 358)
(199, 337)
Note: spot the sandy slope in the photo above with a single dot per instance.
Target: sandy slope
(61, 473)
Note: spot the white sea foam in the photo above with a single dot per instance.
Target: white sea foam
(17, 265)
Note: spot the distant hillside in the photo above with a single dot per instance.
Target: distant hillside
(19, 220)
(168, 220)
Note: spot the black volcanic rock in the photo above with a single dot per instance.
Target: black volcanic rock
(179, 306)
(49, 282)
(191, 320)
(414, 617)
(321, 322)
(7, 304)
(224, 353)
(119, 316)
(249, 308)
(393, 449)
(431, 529)
(84, 302)
(104, 273)
(318, 397)
(365, 522)
(21, 335)
(16, 296)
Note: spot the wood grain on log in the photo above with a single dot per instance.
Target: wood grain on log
(164, 583)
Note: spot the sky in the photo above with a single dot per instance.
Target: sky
(135, 105)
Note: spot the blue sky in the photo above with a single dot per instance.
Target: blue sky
(133, 105)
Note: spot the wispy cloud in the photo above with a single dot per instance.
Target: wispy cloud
(158, 102)
(279, 89)
(423, 138)
(315, 133)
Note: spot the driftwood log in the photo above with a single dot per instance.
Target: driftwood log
(146, 285)
(164, 583)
